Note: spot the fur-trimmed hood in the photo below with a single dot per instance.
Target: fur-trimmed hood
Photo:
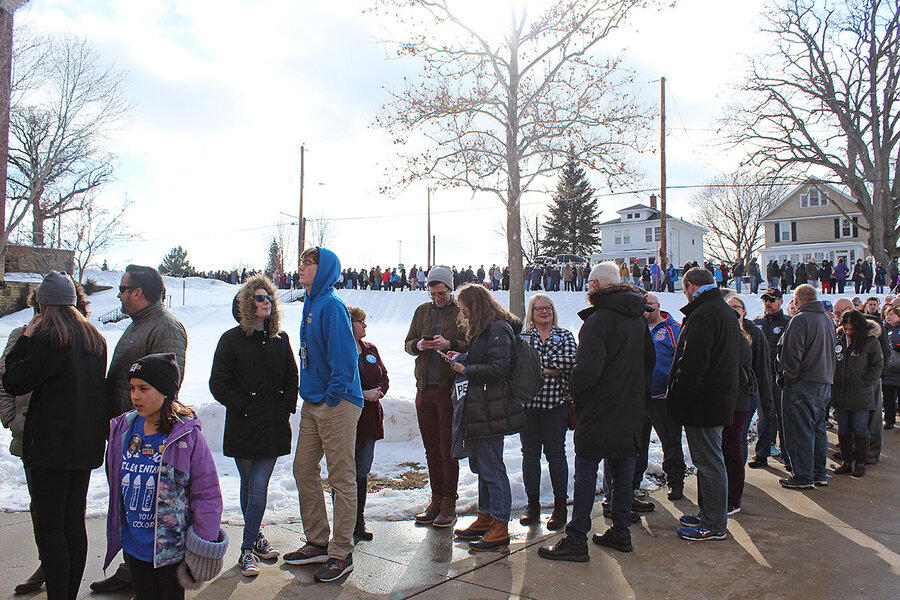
(873, 329)
(243, 308)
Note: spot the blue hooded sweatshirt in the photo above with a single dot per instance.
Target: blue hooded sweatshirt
(331, 371)
(665, 339)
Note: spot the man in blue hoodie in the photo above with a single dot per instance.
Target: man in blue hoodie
(332, 402)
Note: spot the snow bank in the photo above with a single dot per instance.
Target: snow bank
(204, 306)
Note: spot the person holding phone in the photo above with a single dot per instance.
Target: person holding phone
(434, 329)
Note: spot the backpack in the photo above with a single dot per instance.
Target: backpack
(526, 376)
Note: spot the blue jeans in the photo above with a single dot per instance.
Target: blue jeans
(804, 428)
(486, 461)
(705, 444)
(365, 454)
(852, 422)
(737, 283)
(620, 471)
(547, 429)
(255, 474)
(745, 445)
(770, 429)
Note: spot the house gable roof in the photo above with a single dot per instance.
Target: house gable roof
(833, 193)
(654, 215)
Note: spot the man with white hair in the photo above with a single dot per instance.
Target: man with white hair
(703, 389)
(807, 357)
(608, 385)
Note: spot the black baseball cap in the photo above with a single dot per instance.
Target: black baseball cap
(772, 294)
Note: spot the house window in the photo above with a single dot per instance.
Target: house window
(618, 237)
(657, 233)
(783, 233)
(813, 198)
(648, 234)
(626, 236)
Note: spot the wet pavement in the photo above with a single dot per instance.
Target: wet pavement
(842, 542)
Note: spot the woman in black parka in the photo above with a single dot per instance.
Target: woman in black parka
(490, 410)
(254, 375)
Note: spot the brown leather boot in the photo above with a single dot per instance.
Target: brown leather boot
(559, 516)
(845, 442)
(447, 516)
(428, 517)
(477, 529)
(862, 454)
(496, 537)
(532, 511)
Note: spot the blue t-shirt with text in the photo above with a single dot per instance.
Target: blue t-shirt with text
(140, 466)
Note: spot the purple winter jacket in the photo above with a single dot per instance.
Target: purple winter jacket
(187, 490)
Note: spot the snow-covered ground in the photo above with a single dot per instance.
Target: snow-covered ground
(204, 307)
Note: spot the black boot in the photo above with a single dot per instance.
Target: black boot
(33, 583)
(360, 531)
(845, 442)
(560, 515)
(532, 511)
(862, 454)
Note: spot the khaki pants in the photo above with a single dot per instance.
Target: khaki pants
(329, 431)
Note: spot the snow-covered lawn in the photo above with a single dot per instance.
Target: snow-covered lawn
(204, 306)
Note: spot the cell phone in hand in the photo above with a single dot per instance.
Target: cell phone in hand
(428, 338)
(443, 354)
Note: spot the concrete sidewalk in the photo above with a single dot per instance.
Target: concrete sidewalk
(839, 542)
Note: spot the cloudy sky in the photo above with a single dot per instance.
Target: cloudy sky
(225, 93)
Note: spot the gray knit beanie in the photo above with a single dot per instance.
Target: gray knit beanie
(441, 274)
(56, 290)
(203, 560)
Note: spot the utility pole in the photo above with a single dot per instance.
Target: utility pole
(433, 249)
(428, 239)
(301, 222)
(662, 175)
(399, 252)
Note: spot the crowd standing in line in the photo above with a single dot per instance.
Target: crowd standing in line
(633, 368)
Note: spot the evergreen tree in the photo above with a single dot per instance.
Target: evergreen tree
(104, 266)
(573, 226)
(276, 263)
(176, 264)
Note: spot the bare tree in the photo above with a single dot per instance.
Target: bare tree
(58, 124)
(95, 230)
(320, 231)
(826, 95)
(731, 207)
(497, 111)
(531, 236)
(285, 236)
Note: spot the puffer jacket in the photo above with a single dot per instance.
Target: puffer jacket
(254, 376)
(13, 408)
(152, 330)
(610, 383)
(187, 491)
(490, 407)
(892, 370)
(857, 373)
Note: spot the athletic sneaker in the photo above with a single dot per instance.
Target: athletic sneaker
(249, 563)
(690, 520)
(310, 553)
(733, 510)
(334, 568)
(263, 549)
(774, 451)
(792, 483)
(700, 534)
(821, 482)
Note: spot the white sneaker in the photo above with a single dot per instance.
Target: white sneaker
(249, 564)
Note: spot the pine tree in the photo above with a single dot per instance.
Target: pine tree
(276, 263)
(104, 266)
(573, 226)
(176, 264)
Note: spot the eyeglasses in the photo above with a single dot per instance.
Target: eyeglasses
(263, 298)
(125, 288)
(440, 294)
(363, 321)
(543, 309)
(307, 263)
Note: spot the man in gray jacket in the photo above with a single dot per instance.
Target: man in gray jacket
(153, 330)
(807, 357)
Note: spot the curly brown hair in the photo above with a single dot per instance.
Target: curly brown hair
(482, 309)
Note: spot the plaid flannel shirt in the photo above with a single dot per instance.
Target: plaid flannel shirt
(557, 352)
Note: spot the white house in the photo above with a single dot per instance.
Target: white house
(636, 234)
(814, 221)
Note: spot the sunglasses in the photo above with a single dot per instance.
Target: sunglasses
(263, 298)
(125, 288)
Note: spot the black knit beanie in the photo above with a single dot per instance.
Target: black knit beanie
(160, 371)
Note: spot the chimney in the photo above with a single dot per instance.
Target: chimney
(653, 201)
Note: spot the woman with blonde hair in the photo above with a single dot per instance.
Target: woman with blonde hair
(61, 359)
(490, 409)
(548, 413)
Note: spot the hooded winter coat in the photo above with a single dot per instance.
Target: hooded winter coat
(610, 382)
(490, 407)
(703, 383)
(68, 414)
(856, 373)
(187, 490)
(254, 376)
(892, 369)
(330, 372)
(13, 408)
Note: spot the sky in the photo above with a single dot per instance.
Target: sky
(225, 93)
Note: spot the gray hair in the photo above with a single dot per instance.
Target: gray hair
(605, 274)
(529, 321)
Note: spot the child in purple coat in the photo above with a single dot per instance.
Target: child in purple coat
(165, 505)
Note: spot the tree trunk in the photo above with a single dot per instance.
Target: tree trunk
(6, 46)
(513, 192)
(37, 228)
